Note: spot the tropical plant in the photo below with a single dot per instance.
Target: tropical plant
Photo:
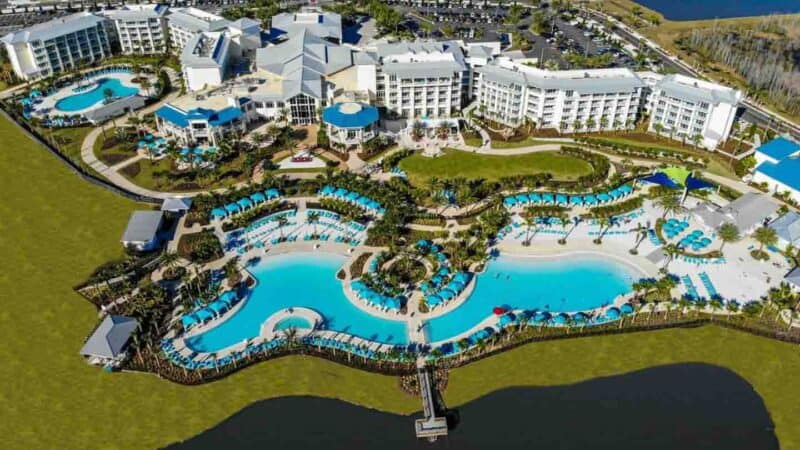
(765, 236)
(669, 204)
(727, 232)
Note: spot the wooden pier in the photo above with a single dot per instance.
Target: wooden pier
(430, 427)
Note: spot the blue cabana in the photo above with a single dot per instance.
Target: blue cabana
(244, 203)
(423, 243)
(188, 321)
(625, 189)
(604, 198)
(272, 193)
(327, 190)
(447, 294)
(433, 300)
(589, 200)
(533, 197)
(561, 199)
(462, 277)
(693, 183)
(510, 201)
(561, 319)
(352, 196)
(228, 297)
(341, 192)
(232, 208)
(548, 198)
(522, 198)
(580, 317)
(443, 272)
(612, 313)
(258, 197)
(218, 307)
(626, 308)
(204, 314)
(218, 213)
(505, 320)
(662, 179)
(615, 194)
(441, 257)
(576, 200)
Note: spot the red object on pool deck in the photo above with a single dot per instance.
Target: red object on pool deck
(498, 311)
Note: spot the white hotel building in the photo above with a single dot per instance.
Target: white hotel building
(186, 23)
(587, 100)
(686, 107)
(58, 45)
(140, 29)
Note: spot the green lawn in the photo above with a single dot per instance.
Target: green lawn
(455, 163)
(57, 228)
(117, 151)
(527, 142)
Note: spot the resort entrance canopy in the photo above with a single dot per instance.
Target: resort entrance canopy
(677, 178)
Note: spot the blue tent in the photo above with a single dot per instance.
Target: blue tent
(590, 200)
(272, 193)
(662, 179)
(245, 203)
(433, 300)
(228, 297)
(603, 198)
(548, 198)
(693, 183)
(462, 277)
(625, 189)
(534, 198)
(446, 294)
(522, 198)
(188, 321)
(258, 197)
(218, 213)
(327, 190)
(561, 199)
(575, 200)
(510, 201)
(341, 192)
(232, 208)
(352, 196)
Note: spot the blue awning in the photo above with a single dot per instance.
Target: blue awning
(693, 183)
(662, 179)
(350, 115)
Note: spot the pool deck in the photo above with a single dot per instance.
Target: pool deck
(48, 105)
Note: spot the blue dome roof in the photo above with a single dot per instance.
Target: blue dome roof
(350, 115)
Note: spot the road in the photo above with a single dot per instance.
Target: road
(751, 112)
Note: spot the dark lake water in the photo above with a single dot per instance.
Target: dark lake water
(710, 9)
(685, 406)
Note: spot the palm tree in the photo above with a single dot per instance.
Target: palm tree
(313, 218)
(659, 128)
(764, 236)
(169, 259)
(727, 232)
(145, 84)
(290, 334)
(530, 222)
(670, 250)
(281, 221)
(670, 204)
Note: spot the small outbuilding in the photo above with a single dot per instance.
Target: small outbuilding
(142, 230)
(109, 340)
(176, 205)
(747, 212)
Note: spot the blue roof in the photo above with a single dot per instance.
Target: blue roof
(336, 116)
(786, 171)
(662, 179)
(214, 118)
(779, 148)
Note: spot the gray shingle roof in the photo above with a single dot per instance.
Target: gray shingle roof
(184, 19)
(204, 49)
(110, 337)
(176, 204)
(142, 226)
(322, 24)
(674, 88)
(421, 68)
(745, 212)
(793, 276)
(589, 83)
(54, 28)
(302, 61)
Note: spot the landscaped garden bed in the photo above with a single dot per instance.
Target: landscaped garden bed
(201, 247)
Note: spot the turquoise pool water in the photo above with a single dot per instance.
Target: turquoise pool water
(302, 280)
(292, 322)
(87, 99)
(558, 284)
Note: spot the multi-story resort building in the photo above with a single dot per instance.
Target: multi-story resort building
(691, 109)
(305, 68)
(421, 79)
(140, 29)
(57, 46)
(590, 100)
(204, 60)
(186, 23)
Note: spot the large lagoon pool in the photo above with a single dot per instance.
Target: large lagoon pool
(557, 284)
(299, 280)
(84, 100)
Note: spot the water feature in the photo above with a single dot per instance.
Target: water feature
(299, 280)
(564, 283)
(87, 99)
(710, 9)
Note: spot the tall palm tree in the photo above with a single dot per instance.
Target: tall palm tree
(313, 218)
(727, 232)
(530, 222)
(281, 221)
(670, 204)
(765, 236)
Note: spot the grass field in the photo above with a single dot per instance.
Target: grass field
(455, 163)
(528, 142)
(57, 228)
